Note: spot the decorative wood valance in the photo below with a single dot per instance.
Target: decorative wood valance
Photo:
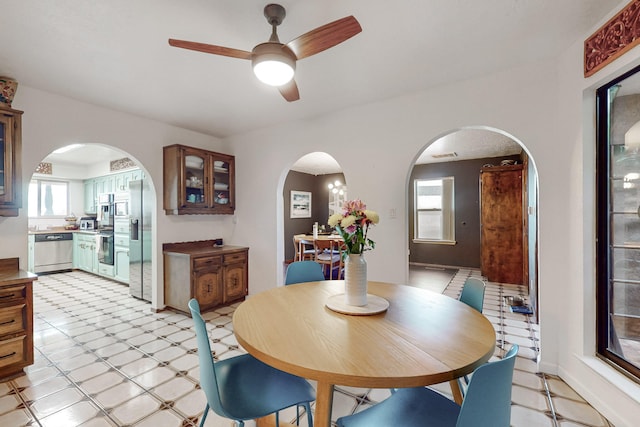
(617, 36)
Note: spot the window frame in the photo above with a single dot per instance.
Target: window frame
(604, 250)
(448, 212)
(39, 184)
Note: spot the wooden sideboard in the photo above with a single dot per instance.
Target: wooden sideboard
(16, 318)
(213, 275)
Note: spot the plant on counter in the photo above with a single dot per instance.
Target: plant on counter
(353, 224)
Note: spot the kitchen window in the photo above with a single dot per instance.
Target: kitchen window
(48, 198)
(434, 211)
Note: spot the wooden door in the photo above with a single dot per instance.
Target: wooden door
(501, 216)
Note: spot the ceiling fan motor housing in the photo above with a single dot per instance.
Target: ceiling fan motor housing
(270, 54)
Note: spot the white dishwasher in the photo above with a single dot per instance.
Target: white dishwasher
(53, 252)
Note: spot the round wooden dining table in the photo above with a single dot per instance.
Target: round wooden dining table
(423, 338)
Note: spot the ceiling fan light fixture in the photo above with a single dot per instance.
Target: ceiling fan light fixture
(273, 64)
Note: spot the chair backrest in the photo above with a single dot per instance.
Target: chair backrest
(303, 248)
(487, 402)
(303, 271)
(208, 381)
(473, 293)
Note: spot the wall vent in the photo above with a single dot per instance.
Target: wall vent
(443, 155)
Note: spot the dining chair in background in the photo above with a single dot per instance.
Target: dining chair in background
(304, 249)
(303, 271)
(486, 404)
(473, 293)
(243, 388)
(329, 255)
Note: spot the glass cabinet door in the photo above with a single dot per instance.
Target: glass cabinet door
(221, 183)
(195, 180)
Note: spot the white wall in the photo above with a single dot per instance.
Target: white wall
(548, 107)
(51, 121)
(541, 106)
(573, 305)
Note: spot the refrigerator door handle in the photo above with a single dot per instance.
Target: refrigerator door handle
(134, 229)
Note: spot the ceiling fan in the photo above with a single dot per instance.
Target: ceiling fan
(273, 62)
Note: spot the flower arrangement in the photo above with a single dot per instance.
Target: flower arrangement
(353, 224)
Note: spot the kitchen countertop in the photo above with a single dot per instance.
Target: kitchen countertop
(62, 230)
(200, 248)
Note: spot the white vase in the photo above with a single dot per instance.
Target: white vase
(355, 280)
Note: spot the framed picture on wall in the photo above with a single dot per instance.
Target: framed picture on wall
(300, 204)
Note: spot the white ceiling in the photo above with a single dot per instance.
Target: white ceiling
(115, 53)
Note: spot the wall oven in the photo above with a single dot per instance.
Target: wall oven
(105, 248)
(121, 205)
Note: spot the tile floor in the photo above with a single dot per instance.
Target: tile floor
(103, 359)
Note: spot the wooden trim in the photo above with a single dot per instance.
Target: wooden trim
(619, 35)
(9, 264)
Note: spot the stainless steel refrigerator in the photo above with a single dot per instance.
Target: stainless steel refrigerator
(140, 204)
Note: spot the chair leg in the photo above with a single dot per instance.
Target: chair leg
(204, 415)
(307, 407)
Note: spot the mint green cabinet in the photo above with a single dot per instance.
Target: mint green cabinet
(85, 252)
(121, 263)
(90, 196)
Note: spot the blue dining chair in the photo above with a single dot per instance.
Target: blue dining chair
(243, 388)
(473, 293)
(487, 403)
(303, 271)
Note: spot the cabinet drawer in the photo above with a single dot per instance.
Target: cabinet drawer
(13, 351)
(121, 227)
(121, 240)
(13, 293)
(233, 258)
(206, 262)
(12, 319)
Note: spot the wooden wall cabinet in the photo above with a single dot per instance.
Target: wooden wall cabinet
(10, 161)
(16, 318)
(214, 276)
(502, 224)
(198, 181)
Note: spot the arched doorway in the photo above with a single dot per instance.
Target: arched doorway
(318, 178)
(444, 226)
(77, 181)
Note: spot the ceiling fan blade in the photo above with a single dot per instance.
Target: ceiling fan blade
(290, 91)
(324, 37)
(210, 48)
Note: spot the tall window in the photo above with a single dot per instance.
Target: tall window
(48, 198)
(434, 210)
(618, 223)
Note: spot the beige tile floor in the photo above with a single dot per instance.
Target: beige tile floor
(103, 359)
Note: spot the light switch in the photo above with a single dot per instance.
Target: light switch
(392, 213)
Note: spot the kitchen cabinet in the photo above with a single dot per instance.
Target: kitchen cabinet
(502, 227)
(16, 318)
(85, 252)
(115, 183)
(121, 264)
(90, 196)
(121, 250)
(213, 275)
(198, 181)
(10, 161)
(121, 180)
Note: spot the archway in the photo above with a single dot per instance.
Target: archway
(87, 173)
(319, 177)
(461, 155)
